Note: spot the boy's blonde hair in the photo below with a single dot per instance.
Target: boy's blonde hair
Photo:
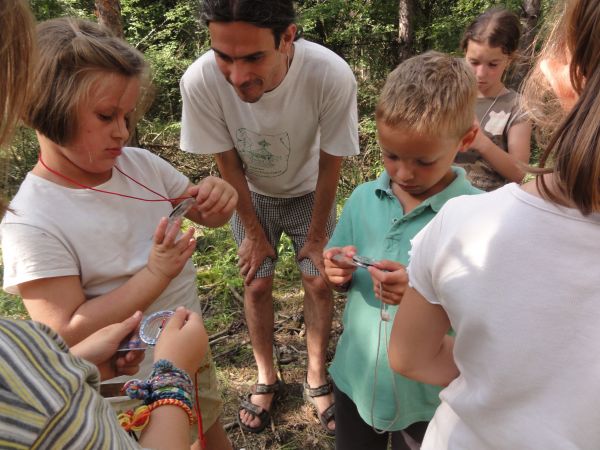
(73, 55)
(432, 93)
(16, 61)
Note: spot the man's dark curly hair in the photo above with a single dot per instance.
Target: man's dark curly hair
(276, 15)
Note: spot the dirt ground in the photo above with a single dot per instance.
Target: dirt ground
(294, 422)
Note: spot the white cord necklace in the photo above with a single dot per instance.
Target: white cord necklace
(384, 318)
(491, 106)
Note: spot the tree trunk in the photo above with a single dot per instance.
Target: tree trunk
(530, 13)
(109, 15)
(405, 28)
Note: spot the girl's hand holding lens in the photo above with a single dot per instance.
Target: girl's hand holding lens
(215, 200)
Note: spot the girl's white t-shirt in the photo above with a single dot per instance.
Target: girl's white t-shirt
(53, 231)
(519, 279)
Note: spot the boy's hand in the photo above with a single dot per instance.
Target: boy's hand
(183, 341)
(169, 254)
(100, 348)
(389, 281)
(338, 264)
(215, 201)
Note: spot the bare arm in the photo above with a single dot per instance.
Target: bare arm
(255, 247)
(100, 348)
(419, 348)
(507, 163)
(327, 182)
(60, 302)
(184, 342)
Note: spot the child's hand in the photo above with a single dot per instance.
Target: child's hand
(215, 201)
(169, 254)
(481, 143)
(183, 341)
(338, 264)
(389, 281)
(100, 348)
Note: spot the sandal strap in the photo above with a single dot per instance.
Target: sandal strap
(262, 389)
(328, 415)
(254, 410)
(319, 391)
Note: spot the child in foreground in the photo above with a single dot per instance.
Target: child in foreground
(518, 280)
(424, 118)
(86, 242)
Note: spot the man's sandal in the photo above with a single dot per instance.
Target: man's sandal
(256, 411)
(329, 414)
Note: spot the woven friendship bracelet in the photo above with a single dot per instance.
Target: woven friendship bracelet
(170, 379)
(174, 402)
(164, 375)
(182, 396)
(164, 366)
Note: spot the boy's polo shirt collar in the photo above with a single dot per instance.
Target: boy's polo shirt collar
(459, 186)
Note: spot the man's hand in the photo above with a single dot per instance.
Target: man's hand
(390, 280)
(169, 255)
(252, 252)
(338, 264)
(100, 348)
(313, 250)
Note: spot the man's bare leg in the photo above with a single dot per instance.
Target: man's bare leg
(258, 307)
(318, 314)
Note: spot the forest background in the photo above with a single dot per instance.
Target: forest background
(373, 36)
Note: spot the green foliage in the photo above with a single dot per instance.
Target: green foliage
(169, 35)
(50, 9)
(12, 306)
(17, 159)
(362, 32)
(439, 24)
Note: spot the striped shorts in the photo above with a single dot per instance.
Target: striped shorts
(291, 216)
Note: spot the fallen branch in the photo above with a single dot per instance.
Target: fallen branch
(231, 350)
(236, 295)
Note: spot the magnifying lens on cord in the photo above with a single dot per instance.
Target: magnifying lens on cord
(181, 209)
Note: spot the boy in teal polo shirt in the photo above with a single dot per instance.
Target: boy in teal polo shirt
(424, 117)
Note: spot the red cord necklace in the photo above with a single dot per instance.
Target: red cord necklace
(76, 183)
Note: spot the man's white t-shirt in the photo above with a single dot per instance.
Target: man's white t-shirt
(519, 278)
(278, 137)
(54, 231)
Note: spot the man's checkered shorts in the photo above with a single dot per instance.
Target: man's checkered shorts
(283, 215)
